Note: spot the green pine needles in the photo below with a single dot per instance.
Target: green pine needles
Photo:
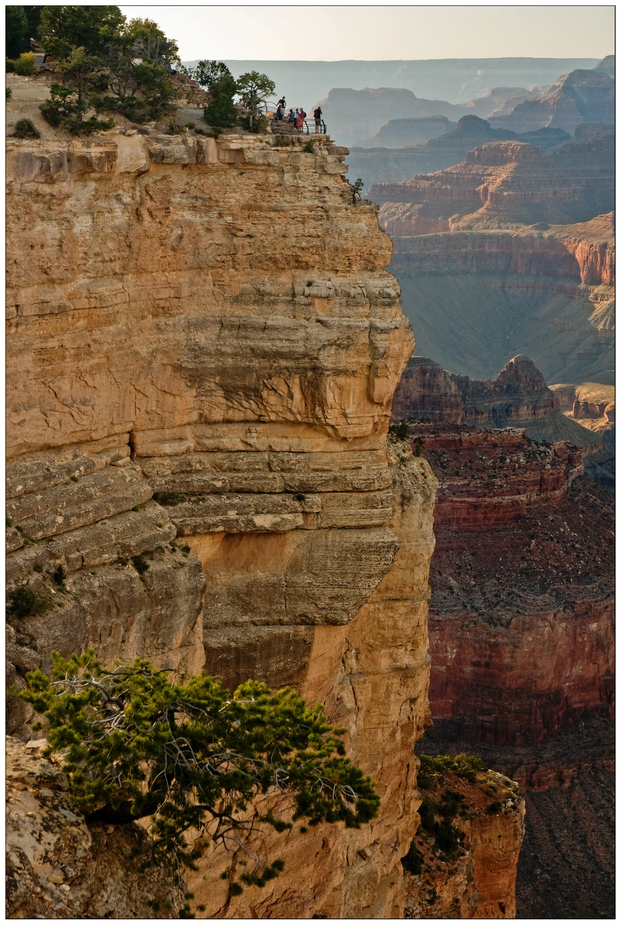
(190, 755)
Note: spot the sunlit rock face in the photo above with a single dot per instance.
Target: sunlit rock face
(203, 348)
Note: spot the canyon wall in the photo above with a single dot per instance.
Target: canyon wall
(521, 623)
(203, 346)
(522, 643)
(522, 577)
(519, 398)
(511, 251)
(58, 867)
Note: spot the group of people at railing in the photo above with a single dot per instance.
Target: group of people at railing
(295, 120)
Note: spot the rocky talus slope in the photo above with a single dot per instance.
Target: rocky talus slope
(203, 346)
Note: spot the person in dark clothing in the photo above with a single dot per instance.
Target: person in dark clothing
(317, 114)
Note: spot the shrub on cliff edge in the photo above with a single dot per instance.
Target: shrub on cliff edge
(193, 756)
(25, 128)
(25, 64)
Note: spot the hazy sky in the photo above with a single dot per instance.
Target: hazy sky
(340, 32)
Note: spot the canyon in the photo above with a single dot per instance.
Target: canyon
(391, 157)
(521, 622)
(203, 346)
(521, 631)
(579, 102)
(518, 397)
(509, 250)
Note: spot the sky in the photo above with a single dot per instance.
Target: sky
(403, 32)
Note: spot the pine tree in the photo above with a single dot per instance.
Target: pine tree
(190, 755)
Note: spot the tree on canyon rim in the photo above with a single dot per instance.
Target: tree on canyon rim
(129, 67)
(192, 756)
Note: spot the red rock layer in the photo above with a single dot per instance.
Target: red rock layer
(521, 621)
(495, 476)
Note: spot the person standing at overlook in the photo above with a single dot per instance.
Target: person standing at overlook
(317, 114)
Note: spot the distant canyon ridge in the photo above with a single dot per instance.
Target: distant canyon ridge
(305, 83)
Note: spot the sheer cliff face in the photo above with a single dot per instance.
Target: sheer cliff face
(203, 347)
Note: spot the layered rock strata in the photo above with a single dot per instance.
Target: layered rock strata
(508, 183)
(203, 347)
(484, 249)
(522, 576)
(363, 672)
(518, 398)
(519, 393)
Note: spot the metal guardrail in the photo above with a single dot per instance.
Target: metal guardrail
(284, 127)
(309, 127)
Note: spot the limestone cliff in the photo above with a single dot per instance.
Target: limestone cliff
(203, 346)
